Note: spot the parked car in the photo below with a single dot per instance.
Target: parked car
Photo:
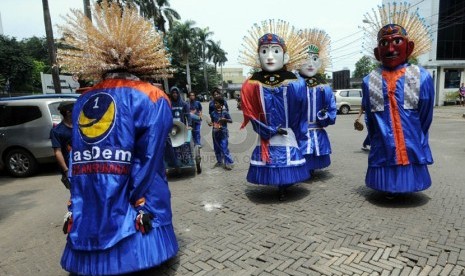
(348, 100)
(25, 124)
(203, 97)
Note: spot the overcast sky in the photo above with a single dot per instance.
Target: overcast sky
(228, 20)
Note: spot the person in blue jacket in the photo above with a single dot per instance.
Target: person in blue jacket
(216, 94)
(220, 119)
(119, 217)
(195, 108)
(180, 108)
(60, 135)
(398, 99)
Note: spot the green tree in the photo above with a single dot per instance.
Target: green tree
(157, 10)
(364, 66)
(218, 57)
(181, 42)
(37, 68)
(15, 64)
(205, 43)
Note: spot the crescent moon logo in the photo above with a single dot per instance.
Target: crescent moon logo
(97, 117)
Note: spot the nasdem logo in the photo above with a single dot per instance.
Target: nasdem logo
(97, 117)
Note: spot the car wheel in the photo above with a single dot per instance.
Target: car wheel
(20, 163)
(344, 109)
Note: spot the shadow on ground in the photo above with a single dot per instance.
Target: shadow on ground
(319, 175)
(262, 194)
(387, 200)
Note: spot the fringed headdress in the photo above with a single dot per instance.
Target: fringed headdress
(399, 14)
(120, 41)
(317, 41)
(294, 45)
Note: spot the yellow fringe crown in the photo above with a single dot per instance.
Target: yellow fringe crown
(295, 45)
(320, 39)
(397, 13)
(120, 40)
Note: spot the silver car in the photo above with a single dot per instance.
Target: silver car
(348, 100)
(25, 124)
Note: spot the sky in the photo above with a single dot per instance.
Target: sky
(228, 20)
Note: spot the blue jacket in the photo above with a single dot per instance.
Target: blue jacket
(119, 132)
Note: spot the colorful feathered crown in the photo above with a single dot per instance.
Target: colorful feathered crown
(392, 14)
(316, 42)
(121, 40)
(294, 45)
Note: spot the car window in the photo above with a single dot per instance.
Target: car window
(354, 93)
(16, 115)
(56, 116)
(343, 93)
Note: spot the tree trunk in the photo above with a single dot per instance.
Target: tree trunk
(188, 75)
(205, 75)
(87, 11)
(51, 47)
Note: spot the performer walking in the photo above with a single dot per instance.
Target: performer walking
(272, 100)
(196, 116)
(220, 119)
(398, 101)
(320, 105)
(119, 218)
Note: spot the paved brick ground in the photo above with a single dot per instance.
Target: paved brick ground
(330, 225)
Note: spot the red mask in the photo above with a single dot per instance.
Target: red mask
(393, 48)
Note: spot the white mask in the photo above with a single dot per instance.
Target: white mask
(311, 66)
(272, 57)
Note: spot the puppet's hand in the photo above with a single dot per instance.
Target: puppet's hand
(144, 222)
(68, 222)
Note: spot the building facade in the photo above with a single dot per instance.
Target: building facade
(232, 80)
(446, 60)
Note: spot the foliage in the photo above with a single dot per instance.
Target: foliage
(364, 66)
(451, 96)
(15, 64)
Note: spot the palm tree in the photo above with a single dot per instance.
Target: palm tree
(182, 39)
(157, 10)
(51, 47)
(165, 14)
(216, 54)
(205, 44)
(218, 57)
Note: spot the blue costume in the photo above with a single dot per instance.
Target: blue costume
(61, 138)
(181, 112)
(195, 110)
(220, 137)
(211, 106)
(319, 112)
(272, 101)
(399, 110)
(119, 132)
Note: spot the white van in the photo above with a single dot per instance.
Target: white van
(348, 100)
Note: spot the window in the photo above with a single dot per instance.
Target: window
(343, 93)
(451, 30)
(16, 115)
(354, 93)
(452, 78)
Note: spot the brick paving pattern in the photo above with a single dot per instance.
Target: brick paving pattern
(329, 225)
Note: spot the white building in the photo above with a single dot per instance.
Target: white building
(446, 60)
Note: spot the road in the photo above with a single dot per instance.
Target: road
(330, 225)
